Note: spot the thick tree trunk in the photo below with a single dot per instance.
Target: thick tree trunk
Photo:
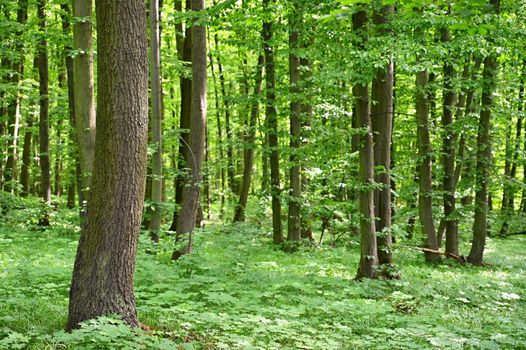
(45, 186)
(103, 275)
(382, 124)
(448, 157)
(187, 218)
(250, 140)
(480, 224)
(85, 117)
(369, 249)
(156, 121)
(272, 124)
(294, 219)
(184, 125)
(425, 197)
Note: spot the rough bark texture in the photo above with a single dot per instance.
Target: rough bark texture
(187, 216)
(425, 196)
(103, 275)
(382, 123)
(184, 124)
(45, 187)
(448, 153)
(294, 219)
(272, 124)
(156, 121)
(480, 224)
(85, 118)
(368, 251)
(250, 140)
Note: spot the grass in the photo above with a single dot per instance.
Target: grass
(238, 291)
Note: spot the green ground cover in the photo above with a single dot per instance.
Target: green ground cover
(237, 291)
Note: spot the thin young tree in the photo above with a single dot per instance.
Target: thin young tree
(103, 274)
(156, 121)
(480, 224)
(368, 244)
(382, 124)
(85, 117)
(272, 125)
(186, 219)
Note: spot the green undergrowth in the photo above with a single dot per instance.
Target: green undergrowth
(238, 291)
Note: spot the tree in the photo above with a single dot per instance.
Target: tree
(85, 117)
(368, 244)
(103, 274)
(382, 124)
(43, 72)
(272, 126)
(480, 224)
(186, 219)
(156, 121)
(248, 153)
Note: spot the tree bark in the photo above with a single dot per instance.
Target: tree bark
(156, 121)
(425, 197)
(85, 116)
(294, 218)
(184, 124)
(248, 153)
(368, 245)
(187, 218)
(448, 151)
(272, 124)
(382, 124)
(480, 224)
(45, 187)
(104, 268)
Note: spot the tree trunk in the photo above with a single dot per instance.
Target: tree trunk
(425, 197)
(448, 151)
(85, 117)
(382, 124)
(369, 249)
(103, 275)
(156, 121)
(190, 202)
(184, 125)
(45, 186)
(219, 137)
(294, 219)
(226, 105)
(480, 224)
(272, 123)
(248, 153)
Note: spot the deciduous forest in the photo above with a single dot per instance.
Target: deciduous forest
(262, 174)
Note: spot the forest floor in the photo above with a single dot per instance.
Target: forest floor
(238, 291)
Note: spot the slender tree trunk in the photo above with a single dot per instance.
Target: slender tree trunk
(448, 150)
(58, 161)
(184, 125)
(425, 197)
(369, 250)
(294, 219)
(26, 158)
(219, 136)
(306, 111)
(187, 218)
(45, 187)
(480, 224)
(272, 123)
(382, 124)
(156, 121)
(103, 275)
(228, 129)
(250, 140)
(85, 117)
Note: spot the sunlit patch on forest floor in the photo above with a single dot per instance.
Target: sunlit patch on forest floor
(237, 291)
